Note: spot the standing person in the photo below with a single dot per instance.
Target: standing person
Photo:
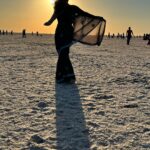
(24, 33)
(3, 32)
(148, 40)
(37, 33)
(65, 14)
(129, 35)
(11, 32)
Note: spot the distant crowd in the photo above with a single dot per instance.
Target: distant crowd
(146, 36)
(5, 32)
(123, 36)
(128, 35)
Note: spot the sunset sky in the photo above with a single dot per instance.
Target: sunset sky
(120, 14)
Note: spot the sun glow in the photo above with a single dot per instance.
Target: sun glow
(52, 1)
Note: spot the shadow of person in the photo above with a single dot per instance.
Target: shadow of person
(72, 133)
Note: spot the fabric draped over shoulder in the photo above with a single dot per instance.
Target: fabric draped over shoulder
(89, 30)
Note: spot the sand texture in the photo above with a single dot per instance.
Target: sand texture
(107, 109)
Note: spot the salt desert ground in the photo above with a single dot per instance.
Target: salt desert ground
(107, 109)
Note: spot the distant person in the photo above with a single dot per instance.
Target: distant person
(148, 41)
(113, 36)
(118, 36)
(109, 35)
(129, 35)
(144, 37)
(0, 32)
(37, 33)
(3, 32)
(24, 33)
(11, 32)
(123, 36)
(65, 14)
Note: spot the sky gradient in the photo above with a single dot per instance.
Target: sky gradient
(120, 14)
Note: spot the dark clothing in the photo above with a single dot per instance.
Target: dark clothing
(64, 30)
(64, 70)
(148, 42)
(128, 40)
(129, 36)
(63, 38)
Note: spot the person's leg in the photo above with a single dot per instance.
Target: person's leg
(128, 40)
(68, 72)
(63, 66)
(148, 42)
(59, 68)
(60, 61)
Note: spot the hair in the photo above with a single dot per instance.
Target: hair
(60, 4)
(61, 1)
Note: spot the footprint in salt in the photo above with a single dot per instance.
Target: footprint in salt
(37, 139)
(42, 105)
(131, 106)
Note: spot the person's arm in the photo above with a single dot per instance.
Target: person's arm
(48, 23)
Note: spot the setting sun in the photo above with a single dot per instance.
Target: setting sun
(52, 1)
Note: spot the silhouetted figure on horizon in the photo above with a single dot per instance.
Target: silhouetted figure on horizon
(146, 36)
(148, 41)
(37, 33)
(118, 36)
(11, 32)
(129, 35)
(3, 32)
(123, 36)
(24, 33)
(0, 32)
(109, 35)
(65, 15)
(113, 36)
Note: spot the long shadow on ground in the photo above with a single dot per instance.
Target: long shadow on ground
(72, 133)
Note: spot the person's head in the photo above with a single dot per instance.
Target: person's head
(66, 1)
(129, 28)
(60, 5)
(61, 1)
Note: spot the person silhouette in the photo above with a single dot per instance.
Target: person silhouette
(65, 14)
(123, 36)
(24, 33)
(129, 35)
(11, 32)
(37, 33)
(148, 40)
(109, 35)
(3, 32)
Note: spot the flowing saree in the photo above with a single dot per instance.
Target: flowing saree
(89, 30)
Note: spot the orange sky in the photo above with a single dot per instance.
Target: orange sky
(31, 14)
